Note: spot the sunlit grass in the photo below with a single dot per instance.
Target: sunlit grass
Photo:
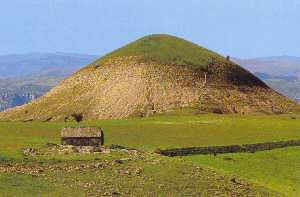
(277, 169)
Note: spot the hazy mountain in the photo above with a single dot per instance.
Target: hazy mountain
(281, 73)
(274, 66)
(28, 76)
(59, 64)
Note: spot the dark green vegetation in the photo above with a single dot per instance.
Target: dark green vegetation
(165, 131)
(167, 49)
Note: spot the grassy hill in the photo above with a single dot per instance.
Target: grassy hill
(153, 75)
(166, 49)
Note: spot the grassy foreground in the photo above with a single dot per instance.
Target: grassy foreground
(276, 170)
(119, 174)
(165, 131)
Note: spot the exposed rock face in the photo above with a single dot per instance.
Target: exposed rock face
(127, 86)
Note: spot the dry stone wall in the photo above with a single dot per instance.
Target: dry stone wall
(228, 149)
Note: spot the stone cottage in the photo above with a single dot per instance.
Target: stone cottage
(82, 136)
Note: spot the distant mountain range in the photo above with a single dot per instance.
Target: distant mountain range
(54, 64)
(28, 76)
(287, 66)
(281, 73)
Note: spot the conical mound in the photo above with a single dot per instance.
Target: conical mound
(152, 75)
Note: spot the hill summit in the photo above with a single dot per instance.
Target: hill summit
(154, 74)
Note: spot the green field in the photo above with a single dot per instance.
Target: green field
(165, 131)
(140, 175)
(277, 170)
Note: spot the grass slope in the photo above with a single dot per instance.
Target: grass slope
(138, 175)
(277, 169)
(166, 49)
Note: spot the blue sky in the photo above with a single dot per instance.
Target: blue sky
(242, 28)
